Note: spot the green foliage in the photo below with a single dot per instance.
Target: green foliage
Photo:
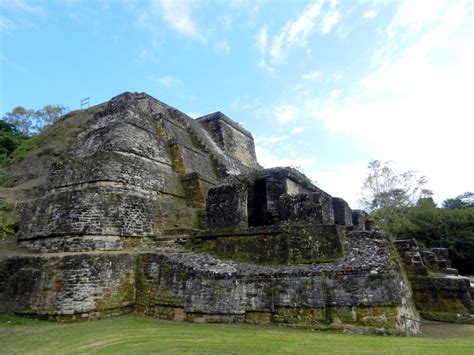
(30, 122)
(10, 139)
(462, 201)
(26, 146)
(442, 227)
(8, 222)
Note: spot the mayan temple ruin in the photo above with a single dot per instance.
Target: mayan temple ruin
(147, 210)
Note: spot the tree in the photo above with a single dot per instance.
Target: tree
(49, 114)
(388, 194)
(10, 139)
(464, 200)
(21, 118)
(30, 122)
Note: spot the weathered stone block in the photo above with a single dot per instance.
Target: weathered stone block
(358, 219)
(69, 284)
(308, 207)
(117, 167)
(231, 137)
(227, 207)
(342, 212)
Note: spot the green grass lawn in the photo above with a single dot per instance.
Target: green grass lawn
(145, 335)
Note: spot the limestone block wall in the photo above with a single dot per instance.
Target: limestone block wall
(227, 207)
(127, 176)
(443, 298)
(224, 162)
(68, 287)
(362, 291)
(351, 292)
(358, 219)
(231, 137)
(310, 207)
(118, 167)
(104, 210)
(342, 212)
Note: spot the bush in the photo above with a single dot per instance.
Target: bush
(8, 222)
(24, 149)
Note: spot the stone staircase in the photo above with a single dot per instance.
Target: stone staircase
(439, 292)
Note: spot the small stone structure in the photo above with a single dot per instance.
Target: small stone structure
(157, 213)
(439, 292)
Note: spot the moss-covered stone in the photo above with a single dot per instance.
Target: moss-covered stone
(305, 244)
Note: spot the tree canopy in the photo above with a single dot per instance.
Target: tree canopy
(464, 200)
(19, 126)
(30, 122)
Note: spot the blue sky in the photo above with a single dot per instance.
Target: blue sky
(322, 85)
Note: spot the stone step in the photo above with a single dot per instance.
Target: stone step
(452, 271)
(176, 232)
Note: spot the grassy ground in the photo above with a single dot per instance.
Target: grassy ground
(145, 335)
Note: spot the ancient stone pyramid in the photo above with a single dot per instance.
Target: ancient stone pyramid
(154, 212)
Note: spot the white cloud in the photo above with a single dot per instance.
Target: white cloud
(6, 25)
(261, 41)
(194, 114)
(372, 13)
(337, 76)
(312, 75)
(268, 159)
(177, 14)
(416, 106)
(222, 47)
(336, 93)
(16, 14)
(269, 140)
(286, 113)
(251, 7)
(295, 33)
(24, 6)
(145, 54)
(227, 22)
(343, 181)
(297, 130)
(166, 81)
(246, 103)
(330, 20)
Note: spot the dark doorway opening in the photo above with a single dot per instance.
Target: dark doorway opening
(257, 204)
